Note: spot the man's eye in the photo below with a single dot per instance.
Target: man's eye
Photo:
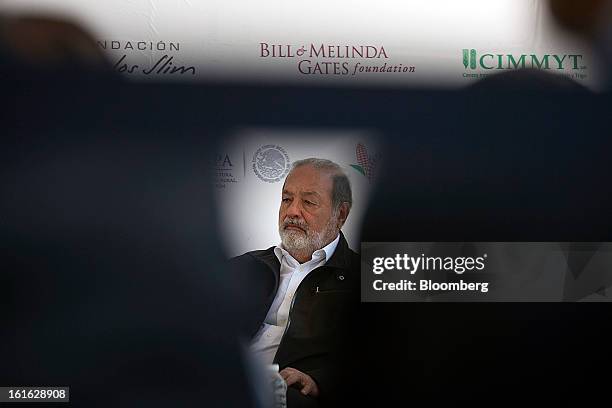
(286, 200)
(310, 203)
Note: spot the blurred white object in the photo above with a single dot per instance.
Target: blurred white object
(279, 386)
(268, 387)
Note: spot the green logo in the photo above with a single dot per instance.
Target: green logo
(472, 60)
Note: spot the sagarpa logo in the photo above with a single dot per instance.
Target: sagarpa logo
(366, 164)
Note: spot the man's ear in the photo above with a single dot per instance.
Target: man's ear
(343, 213)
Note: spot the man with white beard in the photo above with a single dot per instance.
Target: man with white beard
(308, 284)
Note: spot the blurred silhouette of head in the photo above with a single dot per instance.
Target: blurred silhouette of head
(591, 19)
(49, 43)
(583, 17)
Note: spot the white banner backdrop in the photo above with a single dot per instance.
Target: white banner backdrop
(395, 43)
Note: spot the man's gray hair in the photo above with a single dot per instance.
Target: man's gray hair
(341, 188)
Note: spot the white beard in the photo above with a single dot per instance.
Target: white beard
(305, 243)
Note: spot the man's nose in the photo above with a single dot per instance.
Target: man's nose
(294, 210)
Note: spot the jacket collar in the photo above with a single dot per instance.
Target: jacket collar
(340, 258)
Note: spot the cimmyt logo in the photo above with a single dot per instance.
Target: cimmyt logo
(473, 60)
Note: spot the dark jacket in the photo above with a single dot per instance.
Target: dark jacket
(318, 324)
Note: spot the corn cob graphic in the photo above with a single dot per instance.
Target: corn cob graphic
(363, 161)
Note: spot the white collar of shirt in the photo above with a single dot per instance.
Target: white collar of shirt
(324, 253)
